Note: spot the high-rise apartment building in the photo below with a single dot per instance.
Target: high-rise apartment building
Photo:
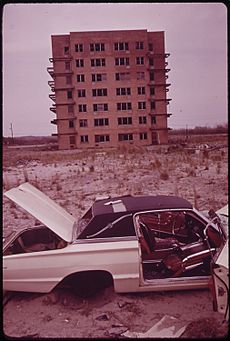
(109, 88)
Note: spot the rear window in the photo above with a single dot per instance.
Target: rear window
(121, 227)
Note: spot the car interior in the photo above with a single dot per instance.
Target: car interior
(42, 239)
(174, 244)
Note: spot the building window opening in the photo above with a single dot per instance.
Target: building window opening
(98, 62)
(152, 91)
(150, 46)
(152, 105)
(124, 120)
(143, 136)
(122, 76)
(84, 138)
(151, 76)
(79, 62)
(68, 79)
(100, 107)
(71, 124)
(97, 47)
(140, 60)
(123, 91)
(99, 77)
(141, 105)
(154, 120)
(139, 45)
(67, 65)
(72, 140)
(122, 61)
(125, 137)
(102, 138)
(81, 93)
(142, 119)
(82, 108)
(124, 106)
(99, 92)
(98, 122)
(69, 94)
(83, 123)
(151, 61)
(121, 46)
(78, 47)
(70, 109)
(141, 90)
(80, 78)
(140, 75)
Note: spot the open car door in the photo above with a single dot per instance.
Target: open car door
(220, 277)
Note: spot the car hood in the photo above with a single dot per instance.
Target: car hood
(44, 209)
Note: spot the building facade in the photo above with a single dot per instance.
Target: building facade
(109, 88)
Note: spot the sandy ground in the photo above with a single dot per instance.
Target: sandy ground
(74, 179)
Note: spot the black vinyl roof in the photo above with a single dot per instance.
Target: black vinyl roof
(138, 203)
(108, 210)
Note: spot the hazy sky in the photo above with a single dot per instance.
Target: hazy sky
(195, 37)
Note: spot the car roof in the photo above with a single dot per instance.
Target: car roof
(128, 204)
(108, 210)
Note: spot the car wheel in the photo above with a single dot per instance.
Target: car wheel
(89, 283)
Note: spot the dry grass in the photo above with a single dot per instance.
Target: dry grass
(77, 178)
(206, 328)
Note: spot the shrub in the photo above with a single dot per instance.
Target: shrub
(26, 177)
(164, 175)
(157, 163)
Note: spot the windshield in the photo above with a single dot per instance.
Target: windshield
(83, 222)
(118, 227)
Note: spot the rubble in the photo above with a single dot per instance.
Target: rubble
(167, 327)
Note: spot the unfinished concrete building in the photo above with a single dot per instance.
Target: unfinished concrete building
(109, 88)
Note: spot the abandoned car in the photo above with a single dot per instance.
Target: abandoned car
(140, 243)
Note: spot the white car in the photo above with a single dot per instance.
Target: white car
(142, 243)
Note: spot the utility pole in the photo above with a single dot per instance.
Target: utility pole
(12, 133)
(186, 132)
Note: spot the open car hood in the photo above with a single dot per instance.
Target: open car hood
(44, 209)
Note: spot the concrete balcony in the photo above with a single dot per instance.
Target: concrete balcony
(51, 84)
(50, 70)
(53, 109)
(157, 55)
(163, 100)
(160, 84)
(160, 114)
(163, 69)
(53, 97)
(63, 58)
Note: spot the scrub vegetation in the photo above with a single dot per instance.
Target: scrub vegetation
(195, 169)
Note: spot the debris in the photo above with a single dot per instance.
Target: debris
(123, 304)
(47, 318)
(117, 325)
(103, 317)
(115, 331)
(168, 326)
(28, 336)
